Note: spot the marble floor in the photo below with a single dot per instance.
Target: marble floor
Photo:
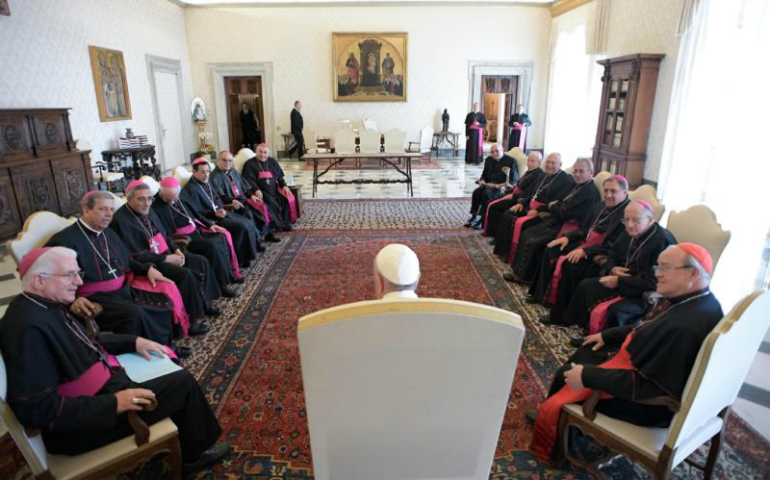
(453, 178)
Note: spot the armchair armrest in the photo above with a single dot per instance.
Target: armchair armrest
(182, 241)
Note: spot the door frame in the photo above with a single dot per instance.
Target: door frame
(243, 69)
(523, 70)
(167, 65)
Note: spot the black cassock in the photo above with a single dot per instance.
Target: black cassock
(552, 187)
(278, 206)
(230, 185)
(196, 284)
(102, 256)
(526, 188)
(204, 203)
(663, 349)
(493, 173)
(44, 347)
(607, 221)
(212, 245)
(513, 140)
(250, 130)
(474, 137)
(639, 255)
(577, 206)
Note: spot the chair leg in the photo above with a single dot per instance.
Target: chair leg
(176, 459)
(711, 461)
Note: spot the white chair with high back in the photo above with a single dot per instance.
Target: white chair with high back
(719, 371)
(425, 143)
(521, 159)
(152, 183)
(103, 462)
(369, 141)
(311, 142)
(344, 141)
(407, 389)
(698, 224)
(38, 229)
(240, 158)
(369, 124)
(395, 141)
(182, 174)
(648, 193)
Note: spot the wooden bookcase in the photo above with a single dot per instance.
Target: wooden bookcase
(628, 95)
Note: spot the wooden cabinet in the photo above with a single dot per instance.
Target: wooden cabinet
(628, 96)
(40, 168)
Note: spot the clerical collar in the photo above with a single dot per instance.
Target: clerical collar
(688, 296)
(88, 227)
(38, 300)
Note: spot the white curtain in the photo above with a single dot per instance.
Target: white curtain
(573, 97)
(715, 152)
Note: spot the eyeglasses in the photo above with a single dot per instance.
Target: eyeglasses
(70, 275)
(666, 268)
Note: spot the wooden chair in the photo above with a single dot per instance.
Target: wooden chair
(426, 140)
(103, 462)
(716, 378)
(452, 365)
(698, 224)
(38, 229)
(648, 193)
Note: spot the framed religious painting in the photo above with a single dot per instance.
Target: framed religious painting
(369, 67)
(4, 8)
(110, 83)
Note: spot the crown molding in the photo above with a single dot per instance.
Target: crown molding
(565, 6)
(364, 3)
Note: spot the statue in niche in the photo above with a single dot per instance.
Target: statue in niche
(445, 121)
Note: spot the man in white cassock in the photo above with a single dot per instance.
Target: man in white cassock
(396, 272)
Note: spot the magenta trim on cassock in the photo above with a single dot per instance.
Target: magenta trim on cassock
(88, 289)
(594, 238)
(517, 226)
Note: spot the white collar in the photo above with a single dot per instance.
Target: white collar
(97, 232)
(398, 295)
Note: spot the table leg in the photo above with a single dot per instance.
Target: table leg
(315, 176)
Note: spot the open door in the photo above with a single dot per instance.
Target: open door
(245, 112)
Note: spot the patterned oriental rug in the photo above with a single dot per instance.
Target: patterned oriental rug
(249, 364)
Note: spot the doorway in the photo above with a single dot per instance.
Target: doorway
(245, 128)
(173, 136)
(498, 93)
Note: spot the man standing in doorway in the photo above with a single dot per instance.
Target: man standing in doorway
(296, 129)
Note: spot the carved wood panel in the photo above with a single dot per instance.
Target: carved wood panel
(35, 188)
(71, 183)
(10, 222)
(15, 137)
(51, 134)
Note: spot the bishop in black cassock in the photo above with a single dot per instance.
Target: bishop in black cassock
(628, 273)
(266, 174)
(525, 187)
(516, 121)
(474, 136)
(62, 382)
(605, 227)
(103, 257)
(176, 218)
(500, 172)
(144, 235)
(238, 195)
(555, 185)
(207, 207)
(571, 212)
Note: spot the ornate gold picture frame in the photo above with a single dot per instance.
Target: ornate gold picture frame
(369, 67)
(110, 83)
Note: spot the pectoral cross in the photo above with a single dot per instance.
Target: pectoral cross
(214, 206)
(112, 272)
(154, 245)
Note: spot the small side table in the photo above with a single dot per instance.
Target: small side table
(451, 137)
(288, 142)
(296, 190)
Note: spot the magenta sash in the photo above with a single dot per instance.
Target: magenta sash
(260, 206)
(292, 205)
(236, 270)
(533, 205)
(481, 137)
(171, 292)
(88, 289)
(162, 245)
(234, 187)
(594, 238)
(486, 212)
(568, 226)
(523, 136)
(516, 190)
(186, 230)
(89, 382)
(599, 315)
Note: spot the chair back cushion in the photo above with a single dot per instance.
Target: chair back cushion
(150, 182)
(721, 367)
(521, 159)
(395, 140)
(344, 141)
(369, 141)
(38, 229)
(369, 124)
(240, 159)
(698, 224)
(647, 192)
(182, 174)
(599, 180)
(425, 380)
(426, 139)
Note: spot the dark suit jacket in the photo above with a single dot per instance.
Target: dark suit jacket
(296, 122)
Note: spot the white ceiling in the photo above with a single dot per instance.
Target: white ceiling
(359, 2)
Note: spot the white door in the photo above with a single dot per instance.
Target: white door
(171, 141)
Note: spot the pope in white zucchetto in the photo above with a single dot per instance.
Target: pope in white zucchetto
(396, 272)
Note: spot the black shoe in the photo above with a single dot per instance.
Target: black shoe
(532, 300)
(213, 311)
(260, 248)
(198, 328)
(182, 351)
(576, 341)
(239, 280)
(492, 242)
(531, 416)
(272, 238)
(470, 222)
(478, 226)
(287, 228)
(546, 320)
(214, 454)
(247, 263)
(509, 277)
(228, 292)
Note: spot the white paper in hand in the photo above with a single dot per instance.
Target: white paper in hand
(140, 370)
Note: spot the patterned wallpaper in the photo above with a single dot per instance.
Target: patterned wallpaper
(45, 62)
(649, 26)
(442, 40)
